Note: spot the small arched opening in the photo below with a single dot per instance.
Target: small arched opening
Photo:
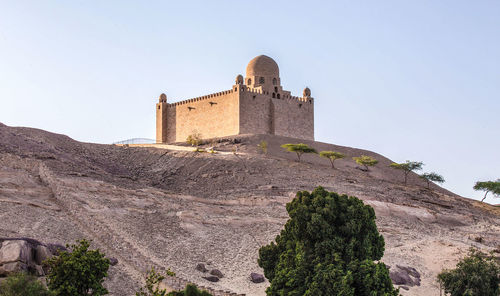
(274, 95)
(278, 96)
(275, 81)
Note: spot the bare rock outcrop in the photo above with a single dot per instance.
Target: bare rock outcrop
(23, 254)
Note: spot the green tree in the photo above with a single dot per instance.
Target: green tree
(23, 284)
(327, 247)
(476, 275)
(432, 177)
(488, 186)
(78, 272)
(365, 161)
(299, 149)
(331, 155)
(407, 167)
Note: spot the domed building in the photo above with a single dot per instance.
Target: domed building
(256, 104)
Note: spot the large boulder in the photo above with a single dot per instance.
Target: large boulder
(405, 275)
(15, 250)
(12, 267)
(42, 253)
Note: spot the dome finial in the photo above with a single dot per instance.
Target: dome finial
(306, 93)
(163, 98)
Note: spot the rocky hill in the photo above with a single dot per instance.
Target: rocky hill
(173, 208)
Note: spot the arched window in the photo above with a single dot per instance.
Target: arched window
(276, 89)
(278, 96)
(249, 81)
(274, 95)
(262, 80)
(275, 81)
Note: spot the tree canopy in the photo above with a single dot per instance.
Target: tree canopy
(332, 156)
(365, 161)
(488, 186)
(432, 177)
(407, 167)
(299, 149)
(327, 247)
(476, 275)
(78, 272)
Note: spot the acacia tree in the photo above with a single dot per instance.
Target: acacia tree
(299, 149)
(432, 177)
(327, 247)
(331, 155)
(407, 167)
(476, 275)
(365, 161)
(78, 272)
(488, 186)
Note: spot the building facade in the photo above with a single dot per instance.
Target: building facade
(256, 104)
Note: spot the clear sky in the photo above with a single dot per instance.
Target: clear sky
(416, 80)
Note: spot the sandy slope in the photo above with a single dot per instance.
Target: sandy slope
(175, 209)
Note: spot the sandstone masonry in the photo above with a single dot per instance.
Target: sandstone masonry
(256, 104)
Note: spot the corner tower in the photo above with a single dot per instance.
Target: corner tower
(161, 119)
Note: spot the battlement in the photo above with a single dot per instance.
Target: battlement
(197, 99)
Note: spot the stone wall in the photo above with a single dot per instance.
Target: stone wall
(294, 118)
(255, 113)
(212, 116)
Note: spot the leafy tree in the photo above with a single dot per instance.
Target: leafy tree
(299, 149)
(327, 247)
(475, 275)
(488, 186)
(365, 161)
(78, 272)
(407, 167)
(331, 155)
(432, 177)
(23, 284)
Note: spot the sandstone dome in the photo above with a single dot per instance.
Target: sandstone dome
(263, 66)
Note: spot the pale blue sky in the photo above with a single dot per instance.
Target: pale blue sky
(417, 80)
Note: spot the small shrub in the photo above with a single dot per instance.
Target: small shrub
(23, 284)
(190, 290)
(194, 139)
(263, 146)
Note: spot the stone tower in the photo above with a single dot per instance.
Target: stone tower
(161, 119)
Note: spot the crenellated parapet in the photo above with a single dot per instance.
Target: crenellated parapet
(197, 99)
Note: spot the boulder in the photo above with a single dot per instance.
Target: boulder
(15, 250)
(12, 267)
(400, 277)
(257, 277)
(42, 253)
(410, 270)
(201, 267)
(113, 261)
(211, 278)
(217, 273)
(405, 275)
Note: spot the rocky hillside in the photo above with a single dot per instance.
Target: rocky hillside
(180, 209)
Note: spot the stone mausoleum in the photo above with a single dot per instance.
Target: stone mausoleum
(256, 104)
